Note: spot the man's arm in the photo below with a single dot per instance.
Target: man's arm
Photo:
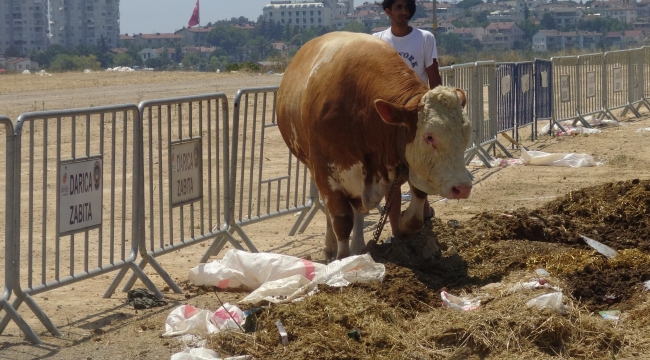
(434, 74)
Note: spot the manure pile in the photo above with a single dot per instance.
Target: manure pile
(403, 318)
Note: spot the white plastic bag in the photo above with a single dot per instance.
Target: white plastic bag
(571, 160)
(186, 319)
(353, 269)
(282, 278)
(600, 247)
(458, 303)
(643, 130)
(552, 301)
(204, 354)
(250, 270)
(534, 284)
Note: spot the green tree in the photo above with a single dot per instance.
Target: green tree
(354, 26)
(123, 59)
(191, 59)
(547, 22)
(12, 51)
(466, 4)
(451, 44)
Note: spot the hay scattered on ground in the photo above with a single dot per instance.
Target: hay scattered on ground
(402, 317)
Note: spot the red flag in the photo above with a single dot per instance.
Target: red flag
(194, 20)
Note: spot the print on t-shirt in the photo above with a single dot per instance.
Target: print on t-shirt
(410, 58)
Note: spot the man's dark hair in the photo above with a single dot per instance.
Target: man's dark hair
(387, 4)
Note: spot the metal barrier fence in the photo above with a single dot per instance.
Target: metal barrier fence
(186, 147)
(591, 85)
(543, 70)
(636, 85)
(506, 96)
(646, 73)
(524, 99)
(266, 181)
(565, 89)
(9, 229)
(616, 71)
(80, 217)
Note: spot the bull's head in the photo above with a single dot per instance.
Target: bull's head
(436, 144)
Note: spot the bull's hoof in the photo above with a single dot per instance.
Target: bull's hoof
(330, 254)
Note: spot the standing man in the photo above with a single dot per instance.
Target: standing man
(418, 50)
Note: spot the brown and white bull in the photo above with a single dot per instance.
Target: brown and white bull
(358, 117)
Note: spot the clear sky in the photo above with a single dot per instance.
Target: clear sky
(166, 16)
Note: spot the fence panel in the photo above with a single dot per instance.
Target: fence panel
(646, 73)
(266, 180)
(486, 71)
(636, 86)
(565, 89)
(447, 76)
(525, 98)
(591, 85)
(9, 241)
(80, 213)
(185, 147)
(543, 89)
(616, 83)
(505, 89)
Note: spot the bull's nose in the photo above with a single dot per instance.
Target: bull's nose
(460, 191)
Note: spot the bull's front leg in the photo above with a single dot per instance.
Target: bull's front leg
(411, 220)
(339, 225)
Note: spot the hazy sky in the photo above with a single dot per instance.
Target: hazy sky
(166, 16)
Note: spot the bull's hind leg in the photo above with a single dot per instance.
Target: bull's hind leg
(358, 244)
(331, 246)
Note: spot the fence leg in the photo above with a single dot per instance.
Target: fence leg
(129, 283)
(312, 212)
(12, 314)
(146, 281)
(297, 223)
(116, 281)
(245, 239)
(218, 244)
(159, 269)
(20, 297)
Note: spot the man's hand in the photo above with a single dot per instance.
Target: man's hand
(434, 74)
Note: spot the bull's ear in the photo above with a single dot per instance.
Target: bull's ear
(461, 97)
(390, 113)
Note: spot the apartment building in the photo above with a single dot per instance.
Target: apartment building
(307, 14)
(502, 36)
(85, 22)
(23, 25)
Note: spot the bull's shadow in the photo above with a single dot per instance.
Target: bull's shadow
(422, 254)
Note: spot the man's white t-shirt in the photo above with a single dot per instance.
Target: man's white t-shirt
(417, 49)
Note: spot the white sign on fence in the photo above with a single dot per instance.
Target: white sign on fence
(565, 89)
(525, 83)
(544, 76)
(186, 172)
(505, 85)
(591, 84)
(618, 79)
(80, 195)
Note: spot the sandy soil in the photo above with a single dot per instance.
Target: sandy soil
(97, 328)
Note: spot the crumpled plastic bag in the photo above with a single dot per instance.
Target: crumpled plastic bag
(458, 303)
(339, 273)
(186, 319)
(533, 284)
(282, 278)
(578, 128)
(568, 160)
(204, 354)
(250, 270)
(552, 301)
(643, 130)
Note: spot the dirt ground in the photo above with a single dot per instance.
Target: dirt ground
(518, 219)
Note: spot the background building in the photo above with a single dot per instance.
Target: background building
(23, 25)
(307, 14)
(84, 22)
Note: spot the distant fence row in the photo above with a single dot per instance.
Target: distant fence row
(89, 191)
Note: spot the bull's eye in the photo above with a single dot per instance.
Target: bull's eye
(429, 139)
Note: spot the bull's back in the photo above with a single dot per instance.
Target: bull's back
(319, 90)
